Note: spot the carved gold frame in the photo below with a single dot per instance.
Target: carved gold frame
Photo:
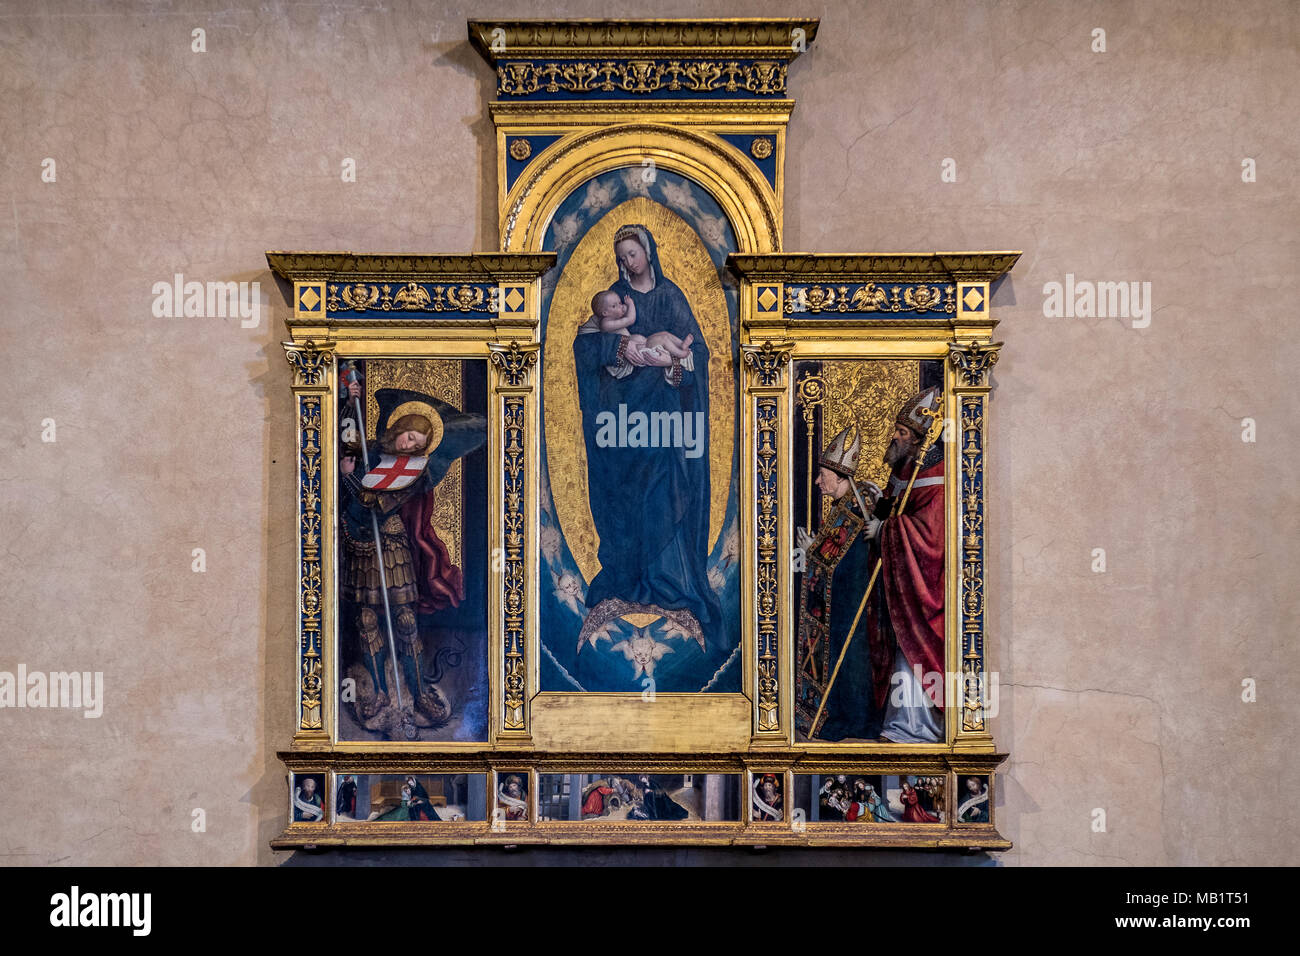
(792, 307)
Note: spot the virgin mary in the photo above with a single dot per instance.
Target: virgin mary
(649, 489)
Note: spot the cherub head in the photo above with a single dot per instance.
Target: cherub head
(712, 230)
(644, 651)
(566, 229)
(568, 583)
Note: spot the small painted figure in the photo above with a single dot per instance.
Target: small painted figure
(767, 798)
(866, 805)
(511, 797)
(345, 804)
(974, 807)
(421, 807)
(655, 803)
(913, 812)
(307, 804)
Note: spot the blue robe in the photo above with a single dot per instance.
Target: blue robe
(650, 506)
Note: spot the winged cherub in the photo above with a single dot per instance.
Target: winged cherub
(568, 591)
(642, 650)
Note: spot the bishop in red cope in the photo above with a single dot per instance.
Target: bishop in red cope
(905, 615)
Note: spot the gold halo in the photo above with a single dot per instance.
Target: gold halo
(419, 408)
(686, 262)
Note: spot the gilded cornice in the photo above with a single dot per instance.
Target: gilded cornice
(349, 266)
(571, 111)
(934, 266)
(739, 37)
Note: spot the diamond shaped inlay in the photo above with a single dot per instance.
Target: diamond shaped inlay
(514, 300)
(973, 298)
(309, 299)
(767, 299)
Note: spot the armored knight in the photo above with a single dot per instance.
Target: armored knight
(421, 438)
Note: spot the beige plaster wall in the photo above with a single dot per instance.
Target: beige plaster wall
(1120, 690)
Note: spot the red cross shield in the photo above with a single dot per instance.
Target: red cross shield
(393, 472)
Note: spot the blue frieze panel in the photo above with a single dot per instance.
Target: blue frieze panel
(411, 300)
(641, 78)
(883, 299)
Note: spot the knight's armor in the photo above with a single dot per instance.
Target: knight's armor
(362, 586)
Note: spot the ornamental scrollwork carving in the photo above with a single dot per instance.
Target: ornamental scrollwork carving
(641, 76)
(768, 362)
(309, 362)
(411, 297)
(972, 551)
(309, 603)
(973, 361)
(515, 361)
(870, 297)
(513, 579)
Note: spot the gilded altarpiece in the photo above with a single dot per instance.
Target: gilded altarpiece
(639, 529)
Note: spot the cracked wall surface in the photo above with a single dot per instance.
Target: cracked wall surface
(1121, 690)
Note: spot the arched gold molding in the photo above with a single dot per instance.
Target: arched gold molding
(749, 202)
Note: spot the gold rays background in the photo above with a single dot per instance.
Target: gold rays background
(591, 268)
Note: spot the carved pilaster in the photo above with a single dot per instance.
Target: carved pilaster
(768, 364)
(971, 364)
(514, 364)
(310, 364)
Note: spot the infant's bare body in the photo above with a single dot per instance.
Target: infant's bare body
(615, 314)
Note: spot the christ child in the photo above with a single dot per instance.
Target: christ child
(614, 314)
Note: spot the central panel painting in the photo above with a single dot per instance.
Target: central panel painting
(638, 522)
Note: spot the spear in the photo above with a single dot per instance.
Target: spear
(349, 377)
(931, 436)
